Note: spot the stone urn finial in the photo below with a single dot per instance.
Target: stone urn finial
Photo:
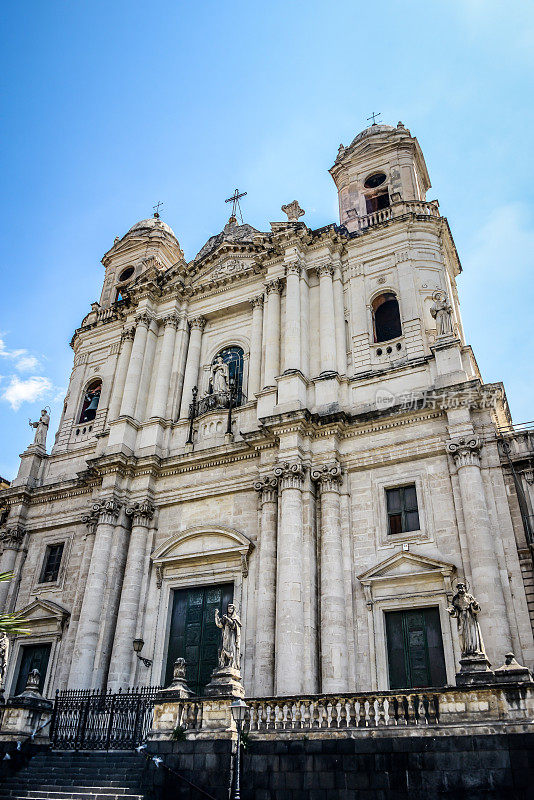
(293, 211)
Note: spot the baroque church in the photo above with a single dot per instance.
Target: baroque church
(291, 422)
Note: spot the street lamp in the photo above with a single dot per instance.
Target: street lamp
(239, 709)
(138, 646)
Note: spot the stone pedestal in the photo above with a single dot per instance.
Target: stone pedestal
(27, 713)
(474, 669)
(449, 366)
(178, 689)
(225, 682)
(31, 466)
(512, 672)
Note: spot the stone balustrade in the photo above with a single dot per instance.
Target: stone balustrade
(395, 210)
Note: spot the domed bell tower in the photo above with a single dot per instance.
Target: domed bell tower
(382, 166)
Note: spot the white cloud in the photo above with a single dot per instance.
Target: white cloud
(27, 364)
(26, 390)
(5, 353)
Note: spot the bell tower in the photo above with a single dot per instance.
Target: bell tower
(382, 166)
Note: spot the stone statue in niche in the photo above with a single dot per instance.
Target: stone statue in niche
(219, 376)
(41, 428)
(441, 311)
(229, 651)
(466, 609)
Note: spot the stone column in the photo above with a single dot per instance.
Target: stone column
(334, 666)
(487, 586)
(10, 540)
(192, 364)
(272, 349)
(289, 642)
(120, 373)
(163, 379)
(146, 372)
(327, 331)
(267, 487)
(339, 313)
(292, 349)
(304, 324)
(91, 611)
(121, 658)
(254, 370)
(133, 376)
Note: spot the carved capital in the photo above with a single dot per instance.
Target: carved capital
(199, 323)
(171, 321)
(465, 450)
(274, 287)
(325, 269)
(141, 512)
(294, 268)
(91, 519)
(144, 319)
(128, 334)
(256, 302)
(267, 487)
(107, 511)
(291, 474)
(11, 538)
(328, 476)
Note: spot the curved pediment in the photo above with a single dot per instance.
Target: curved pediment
(202, 543)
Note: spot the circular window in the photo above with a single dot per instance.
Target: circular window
(375, 180)
(127, 273)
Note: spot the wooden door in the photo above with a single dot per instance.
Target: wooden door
(34, 656)
(415, 649)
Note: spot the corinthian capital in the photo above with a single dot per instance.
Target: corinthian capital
(465, 450)
(144, 319)
(256, 302)
(128, 333)
(91, 518)
(274, 287)
(266, 486)
(171, 320)
(107, 510)
(325, 269)
(141, 512)
(199, 323)
(328, 476)
(291, 474)
(294, 268)
(11, 539)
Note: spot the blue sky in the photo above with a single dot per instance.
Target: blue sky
(111, 106)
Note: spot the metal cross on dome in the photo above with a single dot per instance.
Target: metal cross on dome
(234, 199)
(373, 115)
(156, 208)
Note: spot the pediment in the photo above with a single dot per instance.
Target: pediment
(203, 543)
(405, 565)
(43, 613)
(227, 269)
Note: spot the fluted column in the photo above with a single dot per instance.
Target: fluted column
(146, 372)
(339, 321)
(254, 370)
(289, 640)
(10, 541)
(163, 379)
(120, 373)
(485, 574)
(91, 611)
(267, 487)
(121, 659)
(272, 332)
(292, 344)
(327, 331)
(304, 324)
(192, 364)
(334, 666)
(135, 367)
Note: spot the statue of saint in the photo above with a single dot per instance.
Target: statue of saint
(41, 428)
(442, 313)
(465, 609)
(219, 376)
(229, 651)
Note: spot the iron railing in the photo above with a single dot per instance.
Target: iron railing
(99, 720)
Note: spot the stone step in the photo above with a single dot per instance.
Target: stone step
(90, 793)
(115, 787)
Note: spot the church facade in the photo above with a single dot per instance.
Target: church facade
(292, 423)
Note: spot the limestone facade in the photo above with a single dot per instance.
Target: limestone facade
(285, 497)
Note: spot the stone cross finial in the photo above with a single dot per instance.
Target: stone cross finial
(293, 211)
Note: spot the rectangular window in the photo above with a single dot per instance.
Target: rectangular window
(403, 515)
(51, 563)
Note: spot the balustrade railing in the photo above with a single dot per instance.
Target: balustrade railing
(420, 207)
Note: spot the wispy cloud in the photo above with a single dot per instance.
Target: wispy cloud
(27, 364)
(26, 390)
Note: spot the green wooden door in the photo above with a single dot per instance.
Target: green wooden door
(34, 656)
(193, 634)
(415, 649)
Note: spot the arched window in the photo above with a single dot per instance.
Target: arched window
(233, 358)
(91, 400)
(378, 197)
(386, 317)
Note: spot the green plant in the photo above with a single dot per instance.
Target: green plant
(11, 624)
(178, 734)
(246, 741)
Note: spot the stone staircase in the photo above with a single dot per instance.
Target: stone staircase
(67, 775)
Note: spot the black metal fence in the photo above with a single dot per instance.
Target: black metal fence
(100, 720)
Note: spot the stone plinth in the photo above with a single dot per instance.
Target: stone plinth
(27, 713)
(225, 682)
(474, 669)
(512, 672)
